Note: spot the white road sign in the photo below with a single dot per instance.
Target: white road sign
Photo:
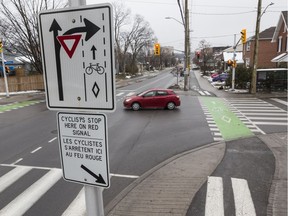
(78, 58)
(84, 148)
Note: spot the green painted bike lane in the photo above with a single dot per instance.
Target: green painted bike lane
(230, 126)
(16, 105)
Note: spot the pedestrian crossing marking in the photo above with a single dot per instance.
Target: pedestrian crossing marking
(78, 206)
(214, 197)
(12, 176)
(280, 101)
(21, 204)
(214, 205)
(242, 198)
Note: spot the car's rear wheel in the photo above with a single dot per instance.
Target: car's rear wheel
(135, 106)
(170, 106)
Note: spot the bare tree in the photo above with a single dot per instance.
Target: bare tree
(19, 27)
(206, 53)
(141, 35)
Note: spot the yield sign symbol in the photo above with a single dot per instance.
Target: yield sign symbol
(69, 38)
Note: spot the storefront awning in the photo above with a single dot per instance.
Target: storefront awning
(281, 58)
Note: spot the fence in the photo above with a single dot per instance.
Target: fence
(20, 82)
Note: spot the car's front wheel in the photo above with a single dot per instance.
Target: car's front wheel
(135, 106)
(170, 106)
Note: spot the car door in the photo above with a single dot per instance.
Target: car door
(161, 98)
(148, 100)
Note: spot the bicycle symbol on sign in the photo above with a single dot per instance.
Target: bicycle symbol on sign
(99, 69)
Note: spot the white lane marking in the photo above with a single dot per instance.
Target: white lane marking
(207, 93)
(32, 167)
(52, 140)
(257, 107)
(129, 94)
(17, 161)
(280, 101)
(78, 206)
(29, 197)
(35, 150)
(201, 93)
(12, 176)
(247, 111)
(268, 118)
(242, 198)
(218, 139)
(266, 114)
(214, 197)
(271, 123)
(124, 176)
(119, 94)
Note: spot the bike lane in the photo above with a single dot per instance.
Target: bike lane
(241, 183)
(230, 126)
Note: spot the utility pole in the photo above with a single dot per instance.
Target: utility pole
(255, 53)
(187, 62)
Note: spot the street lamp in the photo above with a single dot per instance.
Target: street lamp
(187, 44)
(175, 20)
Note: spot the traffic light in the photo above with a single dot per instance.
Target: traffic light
(198, 55)
(229, 62)
(234, 65)
(243, 36)
(157, 49)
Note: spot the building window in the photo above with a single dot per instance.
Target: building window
(286, 43)
(248, 44)
(279, 44)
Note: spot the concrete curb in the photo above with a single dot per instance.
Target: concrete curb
(165, 171)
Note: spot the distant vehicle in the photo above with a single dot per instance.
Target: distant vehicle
(221, 77)
(153, 98)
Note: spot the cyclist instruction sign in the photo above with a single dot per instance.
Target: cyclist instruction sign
(78, 58)
(83, 143)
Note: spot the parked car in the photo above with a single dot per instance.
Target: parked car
(221, 77)
(153, 98)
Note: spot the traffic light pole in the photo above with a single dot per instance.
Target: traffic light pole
(234, 63)
(186, 27)
(4, 70)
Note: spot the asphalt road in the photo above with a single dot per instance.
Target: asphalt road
(138, 141)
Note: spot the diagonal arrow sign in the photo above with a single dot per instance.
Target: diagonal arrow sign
(99, 179)
(90, 29)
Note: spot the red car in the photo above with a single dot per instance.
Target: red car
(153, 98)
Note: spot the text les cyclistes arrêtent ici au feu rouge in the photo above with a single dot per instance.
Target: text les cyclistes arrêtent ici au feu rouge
(82, 143)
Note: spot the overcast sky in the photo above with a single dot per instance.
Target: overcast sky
(214, 21)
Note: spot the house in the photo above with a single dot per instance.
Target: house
(280, 39)
(266, 50)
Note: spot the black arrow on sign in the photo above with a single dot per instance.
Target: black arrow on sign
(55, 28)
(90, 29)
(99, 179)
(93, 49)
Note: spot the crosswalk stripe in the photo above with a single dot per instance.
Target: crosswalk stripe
(78, 206)
(214, 198)
(242, 197)
(207, 93)
(129, 94)
(280, 101)
(29, 197)
(12, 176)
(119, 94)
(201, 93)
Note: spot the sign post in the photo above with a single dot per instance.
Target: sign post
(78, 63)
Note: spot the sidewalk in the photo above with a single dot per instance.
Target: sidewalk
(169, 188)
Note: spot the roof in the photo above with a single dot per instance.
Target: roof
(281, 58)
(239, 48)
(267, 34)
(282, 20)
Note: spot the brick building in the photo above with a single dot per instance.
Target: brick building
(266, 49)
(280, 38)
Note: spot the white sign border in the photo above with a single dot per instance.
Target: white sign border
(71, 9)
(107, 185)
